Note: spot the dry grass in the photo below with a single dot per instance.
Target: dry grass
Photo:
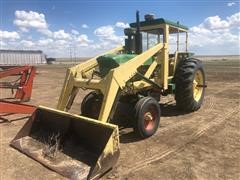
(52, 147)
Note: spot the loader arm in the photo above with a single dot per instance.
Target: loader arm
(129, 69)
(118, 78)
(77, 71)
(110, 85)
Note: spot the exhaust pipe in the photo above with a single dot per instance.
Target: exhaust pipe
(138, 36)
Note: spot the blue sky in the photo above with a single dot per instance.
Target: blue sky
(86, 28)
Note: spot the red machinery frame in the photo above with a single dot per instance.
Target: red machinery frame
(23, 86)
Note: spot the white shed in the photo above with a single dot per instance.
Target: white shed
(22, 57)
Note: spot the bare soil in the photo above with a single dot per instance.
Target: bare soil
(200, 145)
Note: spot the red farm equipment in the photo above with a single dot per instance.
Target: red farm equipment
(23, 80)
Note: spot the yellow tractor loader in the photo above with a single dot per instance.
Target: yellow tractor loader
(86, 146)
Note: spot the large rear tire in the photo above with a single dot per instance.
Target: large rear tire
(190, 85)
(147, 117)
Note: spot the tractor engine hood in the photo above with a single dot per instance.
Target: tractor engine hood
(111, 61)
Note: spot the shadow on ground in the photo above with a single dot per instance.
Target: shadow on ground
(127, 135)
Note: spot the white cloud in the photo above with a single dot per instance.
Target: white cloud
(216, 35)
(56, 44)
(27, 44)
(61, 34)
(31, 20)
(26, 20)
(214, 22)
(234, 20)
(231, 4)
(61, 42)
(107, 39)
(58, 41)
(12, 35)
(122, 25)
(107, 33)
(83, 40)
(85, 26)
(55, 47)
(45, 32)
(199, 29)
(104, 31)
(45, 42)
(75, 32)
(2, 44)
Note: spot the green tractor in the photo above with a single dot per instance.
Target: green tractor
(159, 74)
(136, 74)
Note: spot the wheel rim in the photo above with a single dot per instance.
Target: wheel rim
(150, 118)
(197, 85)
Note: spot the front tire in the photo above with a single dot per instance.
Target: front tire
(147, 117)
(91, 105)
(190, 85)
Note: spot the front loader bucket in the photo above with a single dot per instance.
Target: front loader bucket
(76, 147)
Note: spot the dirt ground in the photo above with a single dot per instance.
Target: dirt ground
(200, 145)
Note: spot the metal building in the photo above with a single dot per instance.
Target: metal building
(22, 57)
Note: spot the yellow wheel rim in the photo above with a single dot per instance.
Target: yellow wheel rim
(197, 85)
